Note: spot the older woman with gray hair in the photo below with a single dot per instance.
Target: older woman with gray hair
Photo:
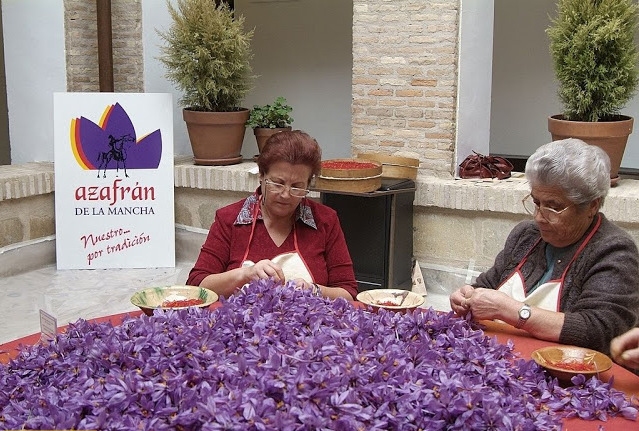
(569, 275)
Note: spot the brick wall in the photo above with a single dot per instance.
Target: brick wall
(81, 43)
(404, 79)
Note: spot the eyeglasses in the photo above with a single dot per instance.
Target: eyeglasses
(551, 215)
(274, 187)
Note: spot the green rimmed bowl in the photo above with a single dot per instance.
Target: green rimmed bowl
(157, 297)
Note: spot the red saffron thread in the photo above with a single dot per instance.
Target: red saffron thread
(573, 366)
(182, 303)
(347, 164)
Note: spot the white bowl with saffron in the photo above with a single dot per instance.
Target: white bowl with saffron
(173, 297)
(391, 299)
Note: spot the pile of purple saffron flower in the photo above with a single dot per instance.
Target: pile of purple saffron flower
(276, 358)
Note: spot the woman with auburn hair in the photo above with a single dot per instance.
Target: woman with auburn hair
(277, 232)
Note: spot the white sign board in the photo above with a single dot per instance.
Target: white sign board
(114, 180)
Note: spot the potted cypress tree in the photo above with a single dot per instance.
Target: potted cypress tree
(207, 56)
(266, 120)
(595, 61)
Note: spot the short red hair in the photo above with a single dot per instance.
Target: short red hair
(294, 147)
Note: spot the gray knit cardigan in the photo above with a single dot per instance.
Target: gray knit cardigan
(600, 295)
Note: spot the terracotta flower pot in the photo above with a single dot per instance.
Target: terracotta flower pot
(216, 137)
(611, 136)
(263, 133)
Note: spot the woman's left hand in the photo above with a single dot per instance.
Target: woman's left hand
(300, 283)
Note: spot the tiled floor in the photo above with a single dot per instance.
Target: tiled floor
(72, 294)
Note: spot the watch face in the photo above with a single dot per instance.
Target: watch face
(524, 314)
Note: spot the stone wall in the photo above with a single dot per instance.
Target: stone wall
(26, 203)
(456, 223)
(81, 43)
(404, 79)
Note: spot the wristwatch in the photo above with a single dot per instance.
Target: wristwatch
(524, 314)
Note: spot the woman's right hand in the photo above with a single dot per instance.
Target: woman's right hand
(460, 299)
(264, 269)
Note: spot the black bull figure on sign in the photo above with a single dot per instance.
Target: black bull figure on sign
(116, 152)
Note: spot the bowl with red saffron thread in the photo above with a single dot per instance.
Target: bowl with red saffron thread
(172, 297)
(564, 362)
(391, 299)
(349, 175)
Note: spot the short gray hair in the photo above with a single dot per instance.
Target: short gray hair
(582, 171)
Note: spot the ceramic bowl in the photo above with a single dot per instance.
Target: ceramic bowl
(161, 297)
(564, 362)
(391, 299)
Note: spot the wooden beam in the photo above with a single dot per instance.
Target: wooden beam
(105, 45)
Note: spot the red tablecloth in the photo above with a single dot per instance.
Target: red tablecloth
(524, 344)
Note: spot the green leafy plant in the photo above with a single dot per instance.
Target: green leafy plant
(272, 116)
(207, 55)
(594, 57)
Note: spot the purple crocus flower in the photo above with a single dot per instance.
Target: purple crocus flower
(277, 358)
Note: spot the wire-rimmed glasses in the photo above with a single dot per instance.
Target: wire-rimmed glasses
(274, 187)
(551, 215)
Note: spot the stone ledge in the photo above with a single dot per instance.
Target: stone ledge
(235, 178)
(622, 203)
(24, 180)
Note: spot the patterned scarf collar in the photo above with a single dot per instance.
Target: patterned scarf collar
(303, 211)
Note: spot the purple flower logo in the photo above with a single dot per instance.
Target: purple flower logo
(113, 144)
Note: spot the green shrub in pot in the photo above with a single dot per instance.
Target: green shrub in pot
(207, 56)
(267, 120)
(274, 116)
(595, 62)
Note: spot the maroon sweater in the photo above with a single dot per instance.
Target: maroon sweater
(319, 236)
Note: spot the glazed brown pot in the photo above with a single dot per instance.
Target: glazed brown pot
(263, 133)
(611, 136)
(216, 137)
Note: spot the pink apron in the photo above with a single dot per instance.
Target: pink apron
(292, 263)
(548, 295)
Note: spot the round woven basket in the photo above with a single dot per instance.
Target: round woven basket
(394, 166)
(359, 180)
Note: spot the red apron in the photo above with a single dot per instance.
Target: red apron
(292, 263)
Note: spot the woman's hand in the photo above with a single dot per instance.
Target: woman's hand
(264, 269)
(488, 304)
(460, 299)
(624, 349)
(300, 283)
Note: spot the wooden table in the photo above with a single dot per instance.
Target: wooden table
(625, 381)
(524, 345)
